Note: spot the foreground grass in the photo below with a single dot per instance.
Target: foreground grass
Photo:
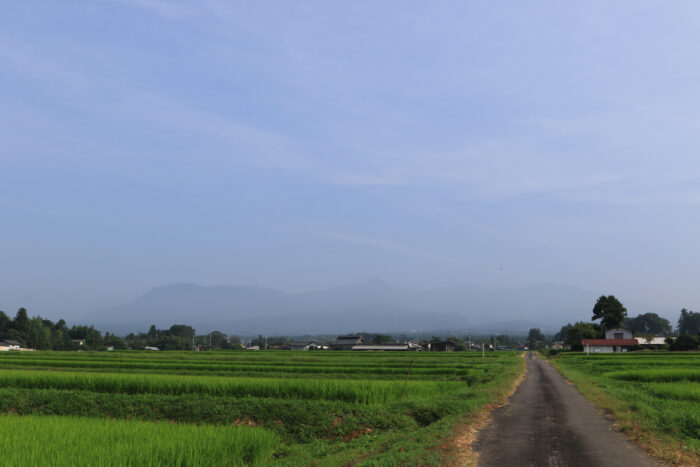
(655, 397)
(61, 441)
(349, 417)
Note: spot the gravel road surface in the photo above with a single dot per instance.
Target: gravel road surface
(547, 422)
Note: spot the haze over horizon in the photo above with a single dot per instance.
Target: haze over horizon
(303, 146)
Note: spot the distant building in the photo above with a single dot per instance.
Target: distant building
(607, 345)
(616, 340)
(6, 344)
(445, 346)
(653, 341)
(151, 348)
(304, 346)
(346, 342)
(407, 346)
(558, 345)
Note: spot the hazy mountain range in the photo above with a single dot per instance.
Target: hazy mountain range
(372, 306)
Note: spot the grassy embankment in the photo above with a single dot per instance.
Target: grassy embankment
(301, 407)
(654, 397)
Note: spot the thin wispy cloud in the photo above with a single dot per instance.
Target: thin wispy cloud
(386, 245)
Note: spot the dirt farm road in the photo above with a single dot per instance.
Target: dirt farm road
(547, 422)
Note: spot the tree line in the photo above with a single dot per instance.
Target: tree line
(43, 334)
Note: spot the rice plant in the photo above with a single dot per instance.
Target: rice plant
(62, 441)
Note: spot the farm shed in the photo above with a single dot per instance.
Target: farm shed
(607, 345)
(346, 342)
(9, 345)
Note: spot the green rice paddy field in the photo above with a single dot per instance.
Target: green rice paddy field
(654, 395)
(243, 408)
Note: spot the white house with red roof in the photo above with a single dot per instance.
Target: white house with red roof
(616, 340)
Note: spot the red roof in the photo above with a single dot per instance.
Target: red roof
(585, 342)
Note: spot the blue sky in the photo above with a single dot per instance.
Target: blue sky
(303, 145)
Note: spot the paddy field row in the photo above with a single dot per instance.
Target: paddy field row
(281, 408)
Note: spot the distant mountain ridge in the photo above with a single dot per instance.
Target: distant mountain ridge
(373, 306)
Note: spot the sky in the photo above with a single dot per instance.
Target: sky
(305, 145)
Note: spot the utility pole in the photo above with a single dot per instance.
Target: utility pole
(483, 359)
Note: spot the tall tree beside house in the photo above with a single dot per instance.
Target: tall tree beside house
(610, 311)
(649, 323)
(689, 322)
(578, 331)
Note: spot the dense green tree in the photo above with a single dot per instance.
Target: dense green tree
(38, 334)
(234, 342)
(378, 339)
(610, 311)
(505, 340)
(535, 339)
(561, 335)
(684, 342)
(649, 323)
(92, 337)
(689, 322)
(458, 344)
(110, 340)
(182, 330)
(5, 323)
(21, 321)
(217, 340)
(578, 331)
